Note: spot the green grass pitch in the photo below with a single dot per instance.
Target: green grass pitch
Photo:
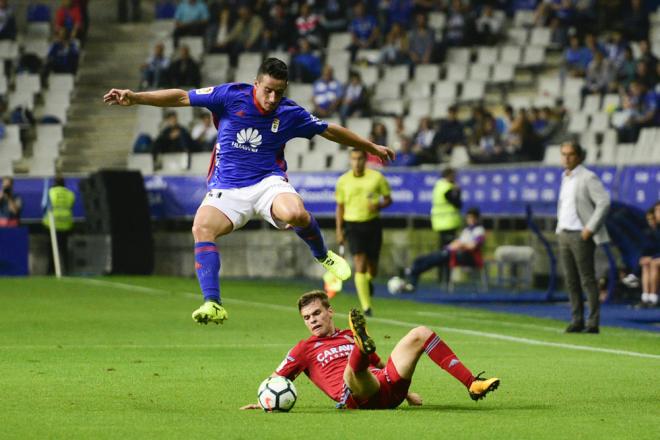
(120, 358)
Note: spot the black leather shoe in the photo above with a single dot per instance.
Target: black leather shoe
(574, 328)
(591, 330)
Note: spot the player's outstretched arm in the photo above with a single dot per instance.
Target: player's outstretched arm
(344, 136)
(158, 98)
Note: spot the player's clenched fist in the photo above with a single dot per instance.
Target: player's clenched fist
(123, 97)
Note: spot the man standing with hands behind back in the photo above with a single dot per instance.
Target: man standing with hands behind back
(581, 211)
(361, 193)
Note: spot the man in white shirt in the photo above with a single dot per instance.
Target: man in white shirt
(581, 211)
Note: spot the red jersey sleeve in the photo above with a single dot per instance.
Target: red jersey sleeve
(294, 363)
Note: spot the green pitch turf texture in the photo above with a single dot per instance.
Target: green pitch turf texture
(120, 358)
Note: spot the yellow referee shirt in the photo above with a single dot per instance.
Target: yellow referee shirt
(355, 192)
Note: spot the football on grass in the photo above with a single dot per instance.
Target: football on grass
(277, 394)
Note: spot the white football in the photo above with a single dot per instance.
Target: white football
(395, 285)
(277, 394)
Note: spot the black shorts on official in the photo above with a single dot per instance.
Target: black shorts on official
(364, 237)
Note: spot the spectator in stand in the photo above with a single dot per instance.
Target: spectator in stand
(395, 49)
(277, 34)
(457, 23)
(127, 10)
(173, 138)
(220, 16)
(364, 31)
(558, 34)
(576, 58)
(489, 26)
(503, 123)
(650, 259)
(599, 76)
(646, 55)
(404, 154)
(592, 45)
(327, 93)
(68, 16)
(204, 133)
(184, 71)
(423, 142)
(636, 21)
(190, 19)
(155, 70)
(333, 15)
(354, 99)
(7, 22)
(645, 75)
(244, 36)
(640, 109)
(305, 65)
(378, 135)
(421, 40)
(614, 49)
(451, 132)
(10, 205)
(625, 72)
(564, 10)
(489, 145)
(400, 12)
(63, 54)
(524, 142)
(308, 25)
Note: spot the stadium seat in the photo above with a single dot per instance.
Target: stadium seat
(45, 148)
(42, 166)
(39, 47)
(533, 56)
(459, 55)
(17, 99)
(142, 162)
(61, 97)
(578, 123)
(318, 158)
(571, 102)
(339, 41)
(610, 102)
(487, 55)
(50, 131)
(369, 75)
(411, 124)
(215, 69)
(591, 104)
(38, 12)
(397, 74)
(3, 84)
(519, 102)
(543, 101)
(608, 154)
(549, 86)
(8, 50)
(511, 55)
(341, 62)
(161, 28)
(445, 91)
(420, 107)
(517, 36)
(440, 109)
(479, 72)
(456, 72)
(10, 146)
(417, 90)
(340, 161)
(427, 72)
(27, 83)
(387, 90)
(61, 81)
(370, 56)
(503, 73)
(248, 61)
(540, 36)
(294, 162)
(148, 120)
(473, 90)
(625, 154)
(6, 165)
(38, 30)
(523, 18)
(174, 163)
(195, 45)
(459, 157)
(573, 86)
(552, 156)
(280, 55)
(600, 122)
(361, 126)
(391, 107)
(300, 92)
(56, 108)
(199, 163)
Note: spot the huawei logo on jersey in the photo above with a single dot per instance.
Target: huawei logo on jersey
(248, 139)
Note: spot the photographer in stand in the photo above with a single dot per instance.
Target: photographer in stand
(10, 205)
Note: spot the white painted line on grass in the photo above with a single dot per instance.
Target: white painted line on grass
(490, 321)
(527, 341)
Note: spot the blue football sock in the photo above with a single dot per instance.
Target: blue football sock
(207, 265)
(311, 234)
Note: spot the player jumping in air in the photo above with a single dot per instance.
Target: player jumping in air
(247, 175)
(345, 366)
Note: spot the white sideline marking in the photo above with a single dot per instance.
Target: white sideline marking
(140, 347)
(394, 322)
(490, 321)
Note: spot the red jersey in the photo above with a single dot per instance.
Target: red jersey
(323, 360)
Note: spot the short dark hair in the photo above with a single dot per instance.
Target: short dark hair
(275, 68)
(577, 149)
(449, 171)
(58, 181)
(474, 211)
(311, 296)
